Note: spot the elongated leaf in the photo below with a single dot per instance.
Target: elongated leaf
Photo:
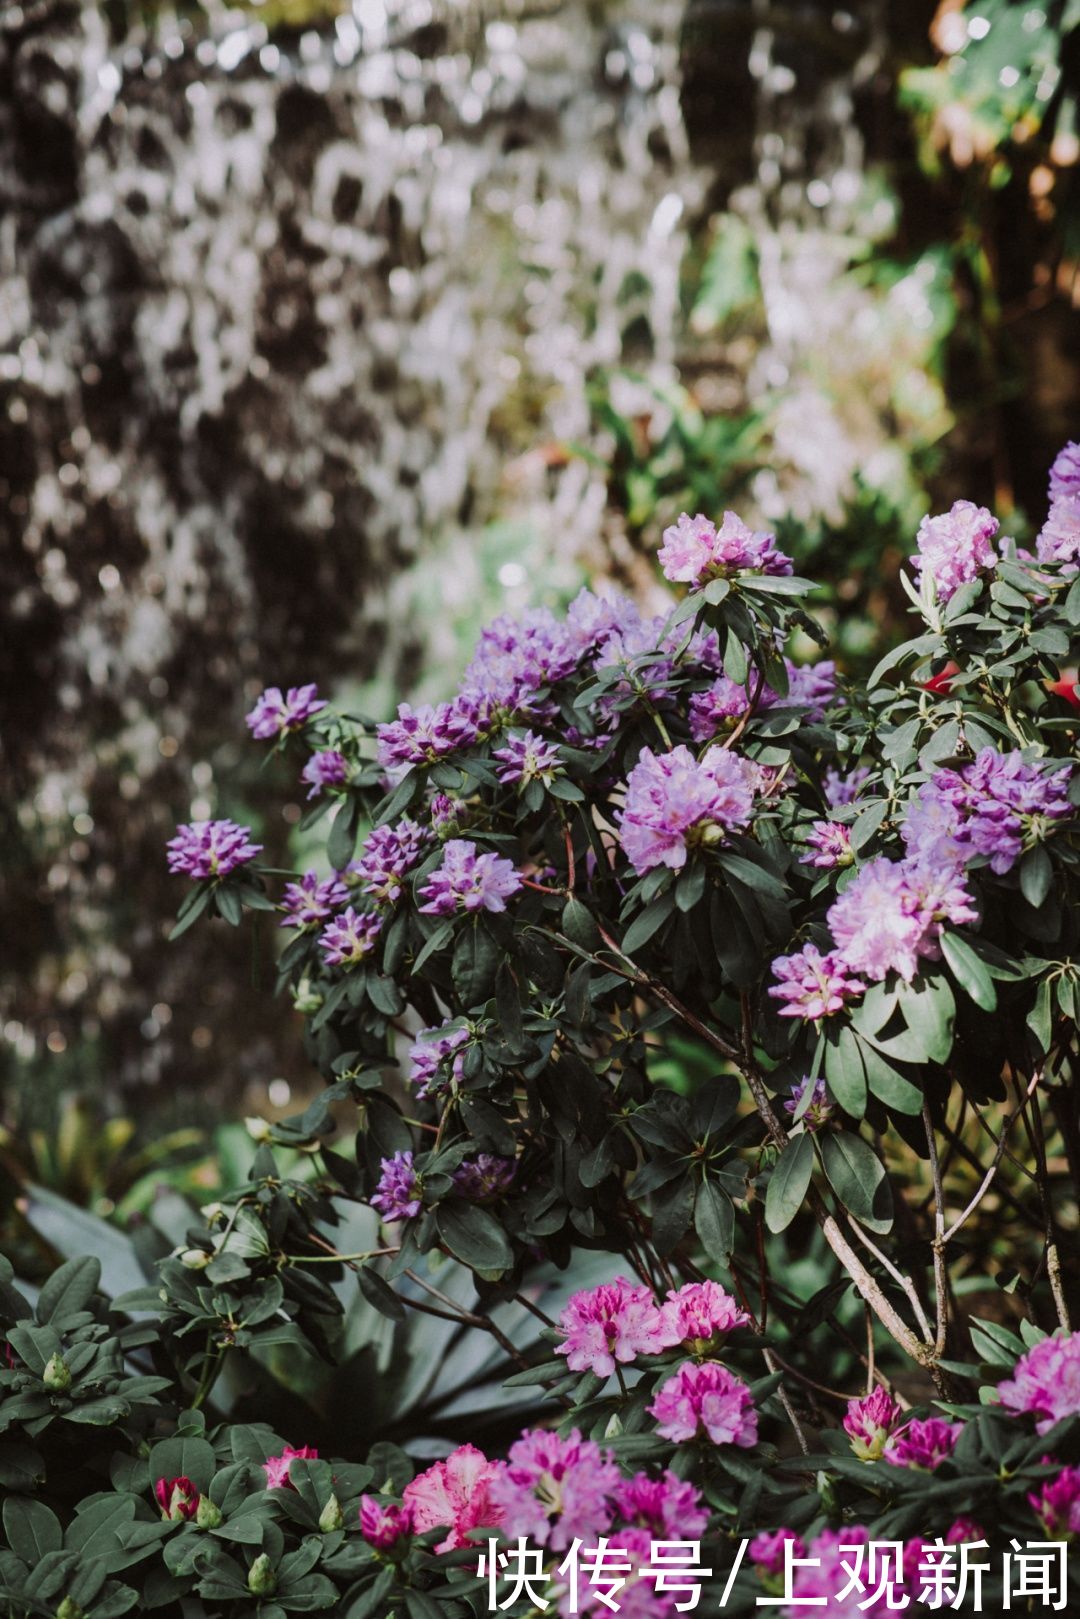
(474, 1236)
(845, 1071)
(69, 1289)
(970, 973)
(647, 922)
(788, 1182)
(714, 1221)
(858, 1179)
(32, 1530)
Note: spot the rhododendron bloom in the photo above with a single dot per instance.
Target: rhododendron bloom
(204, 849)
(924, 1442)
(694, 550)
(277, 1468)
(768, 1549)
(956, 547)
(964, 1529)
(177, 1497)
(383, 1523)
(670, 1507)
(992, 808)
(1057, 1503)
(423, 735)
(891, 914)
(389, 853)
(312, 900)
(818, 1110)
(469, 881)
(614, 1322)
(350, 938)
(276, 713)
(328, 768)
(812, 985)
(702, 1310)
(841, 790)
(869, 1422)
(526, 758)
(1059, 538)
(1046, 1381)
(428, 1056)
(484, 1177)
(1065, 472)
(709, 1399)
(553, 1489)
(397, 1196)
(828, 846)
(675, 802)
(455, 1494)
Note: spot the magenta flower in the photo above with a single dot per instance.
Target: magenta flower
(328, 768)
(527, 757)
(484, 1177)
(1046, 1381)
(389, 854)
(1065, 472)
(350, 938)
(312, 900)
(922, 1443)
(709, 1399)
(469, 881)
(447, 814)
(828, 846)
(1057, 1503)
(819, 1110)
(700, 1312)
(841, 790)
(695, 550)
(422, 735)
(614, 1322)
(819, 1581)
(964, 1529)
(956, 547)
(890, 916)
(456, 1494)
(766, 1550)
(553, 1489)
(428, 1056)
(397, 1196)
(204, 849)
(869, 1422)
(668, 1506)
(717, 709)
(383, 1523)
(1059, 538)
(813, 986)
(277, 714)
(276, 1468)
(178, 1498)
(675, 802)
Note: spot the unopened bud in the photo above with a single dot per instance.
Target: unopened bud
(262, 1581)
(208, 1515)
(57, 1375)
(257, 1129)
(195, 1258)
(69, 1609)
(331, 1517)
(306, 999)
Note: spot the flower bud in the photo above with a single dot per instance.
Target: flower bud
(331, 1517)
(257, 1129)
(208, 1515)
(56, 1375)
(262, 1581)
(69, 1609)
(195, 1258)
(306, 999)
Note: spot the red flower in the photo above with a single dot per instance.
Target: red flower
(177, 1497)
(941, 683)
(1066, 688)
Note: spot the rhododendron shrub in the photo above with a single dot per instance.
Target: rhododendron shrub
(661, 945)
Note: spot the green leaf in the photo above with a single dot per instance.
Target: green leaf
(1036, 876)
(647, 922)
(857, 1177)
(970, 973)
(69, 1289)
(788, 1182)
(845, 1070)
(187, 1457)
(475, 963)
(435, 941)
(32, 1530)
(474, 1236)
(929, 1008)
(379, 1294)
(714, 1221)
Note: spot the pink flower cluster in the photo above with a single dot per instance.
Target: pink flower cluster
(869, 1423)
(811, 985)
(277, 1468)
(620, 1320)
(1057, 1503)
(705, 1398)
(956, 547)
(457, 1494)
(991, 808)
(891, 915)
(694, 550)
(923, 1443)
(1046, 1381)
(675, 802)
(553, 1489)
(276, 713)
(469, 880)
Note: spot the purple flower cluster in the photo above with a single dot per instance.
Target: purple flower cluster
(1046, 1381)
(694, 550)
(469, 881)
(515, 659)
(810, 685)
(420, 736)
(397, 1196)
(991, 808)
(312, 900)
(923, 1443)
(891, 914)
(811, 985)
(328, 768)
(675, 802)
(484, 1177)
(828, 846)
(553, 1489)
(956, 547)
(1059, 538)
(350, 938)
(427, 1056)
(841, 790)
(1065, 473)
(277, 714)
(820, 1108)
(706, 1398)
(204, 849)
(388, 855)
(527, 757)
(700, 1314)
